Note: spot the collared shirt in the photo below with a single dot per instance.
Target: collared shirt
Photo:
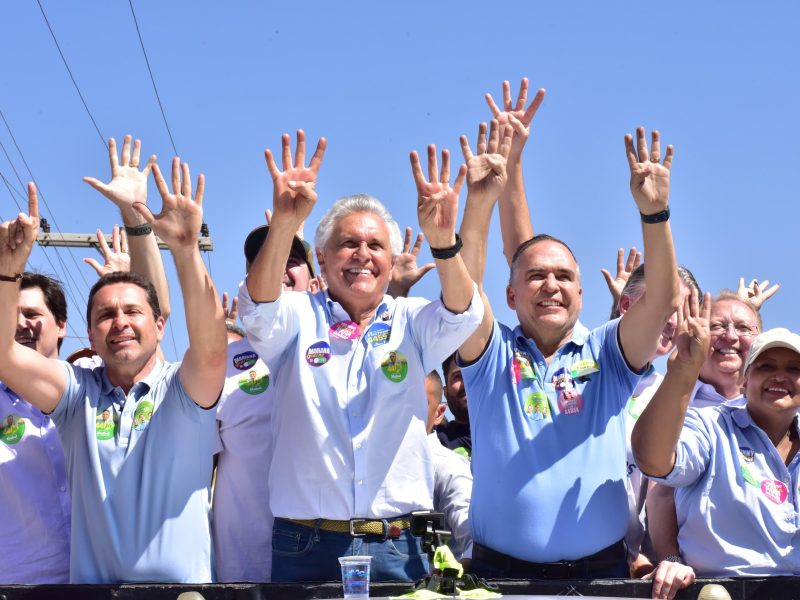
(548, 444)
(140, 471)
(452, 490)
(35, 500)
(736, 500)
(242, 524)
(704, 394)
(350, 410)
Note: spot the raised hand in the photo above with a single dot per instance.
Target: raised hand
(115, 258)
(693, 335)
(756, 293)
(624, 269)
(18, 236)
(517, 116)
(649, 176)
(178, 223)
(128, 184)
(486, 169)
(437, 202)
(231, 310)
(293, 194)
(405, 272)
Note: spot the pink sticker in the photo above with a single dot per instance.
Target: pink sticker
(345, 330)
(570, 400)
(774, 490)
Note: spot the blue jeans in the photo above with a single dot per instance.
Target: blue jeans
(301, 553)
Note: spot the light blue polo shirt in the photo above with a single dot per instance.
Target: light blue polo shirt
(548, 444)
(736, 500)
(140, 470)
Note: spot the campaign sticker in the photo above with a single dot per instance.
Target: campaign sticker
(385, 316)
(584, 367)
(142, 416)
(253, 382)
(774, 490)
(318, 354)
(395, 366)
(463, 451)
(345, 330)
(104, 425)
(13, 429)
(536, 406)
(245, 360)
(522, 367)
(570, 401)
(378, 334)
(748, 454)
(749, 478)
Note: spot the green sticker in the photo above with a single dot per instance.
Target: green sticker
(462, 451)
(13, 429)
(104, 425)
(253, 382)
(748, 477)
(636, 406)
(395, 366)
(584, 367)
(142, 416)
(536, 406)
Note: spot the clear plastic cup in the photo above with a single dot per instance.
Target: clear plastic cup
(355, 576)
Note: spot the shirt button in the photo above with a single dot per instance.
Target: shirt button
(63, 489)
(354, 414)
(360, 482)
(358, 446)
(52, 448)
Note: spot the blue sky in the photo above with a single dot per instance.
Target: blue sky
(379, 79)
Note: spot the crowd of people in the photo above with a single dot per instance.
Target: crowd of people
(315, 427)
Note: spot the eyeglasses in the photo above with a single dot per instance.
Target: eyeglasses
(740, 329)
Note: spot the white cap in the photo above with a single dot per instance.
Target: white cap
(779, 337)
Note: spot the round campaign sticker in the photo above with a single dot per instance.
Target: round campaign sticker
(536, 406)
(395, 366)
(318, 354)
(245, 360)
(254, 382)
(345, 330)
(774, 490)
(142, 416)
(378, 334)
(104, 425)
(13, 428)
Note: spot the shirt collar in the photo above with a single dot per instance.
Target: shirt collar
(337, 313)
(580, 333)
(145, 384)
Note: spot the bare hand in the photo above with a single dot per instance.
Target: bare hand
(293, 194)
(115, 259)
(486, 169)
(406, 273)
(437, 202)
(232, 312)
(693, 337)
(669, 578)
(624, 269)
(128, 184)
(756, 293)
(649, 177)
(18, 236)
(518, 116)
(178, 223)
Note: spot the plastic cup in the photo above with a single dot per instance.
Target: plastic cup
(355, 576)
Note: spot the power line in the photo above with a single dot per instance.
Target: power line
(152, 79)
(75, 83)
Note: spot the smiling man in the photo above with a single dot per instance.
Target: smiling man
(350, 458)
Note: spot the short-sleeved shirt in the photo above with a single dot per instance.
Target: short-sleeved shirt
(456, 437)
(704, 394)
(35, 501)
(350, 407)
(548, 444)
(242, 524)
(736, 500)
(140, 472)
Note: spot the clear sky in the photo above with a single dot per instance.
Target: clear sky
(720, 80)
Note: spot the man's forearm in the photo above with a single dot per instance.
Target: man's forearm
(661, 274)
(474, 235)
(457, 286)
(265, 278)
(515, 218)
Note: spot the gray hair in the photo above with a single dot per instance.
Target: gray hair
(355, 204)
(634, 288)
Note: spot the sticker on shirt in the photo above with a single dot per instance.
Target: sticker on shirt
(462, 451)
(104, 425)
(584, 367)
(318, 354)
(245, 360)
(378, 334)
(636, 405)
(395, 366)
(142, 416)
(345, 330)
(749, 477)
(13, 428)
(536, 406)
(522, 367)
(748, 454)
(774, 490)
(254, 382)
(570, 401)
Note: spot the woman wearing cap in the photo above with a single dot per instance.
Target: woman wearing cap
(734, 466)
